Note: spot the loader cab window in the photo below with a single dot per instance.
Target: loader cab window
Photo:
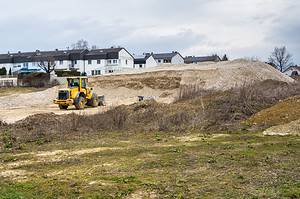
(83, 83)
(73, 83)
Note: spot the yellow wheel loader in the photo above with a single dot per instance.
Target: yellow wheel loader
(77, 93)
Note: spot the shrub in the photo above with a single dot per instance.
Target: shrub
(9, 141)
(119, 117)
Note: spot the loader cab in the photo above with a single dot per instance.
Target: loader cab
(78, 82)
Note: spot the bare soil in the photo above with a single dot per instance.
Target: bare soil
(161, 84)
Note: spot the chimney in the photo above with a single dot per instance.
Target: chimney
(8, 52)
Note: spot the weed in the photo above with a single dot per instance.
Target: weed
(8, 140)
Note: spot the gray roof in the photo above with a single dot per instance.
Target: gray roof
(81, 54)
(165, 56)
(193, 59)
(141, 59)
(106, 53)
(6, 58)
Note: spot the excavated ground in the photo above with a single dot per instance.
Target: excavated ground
(161, 84)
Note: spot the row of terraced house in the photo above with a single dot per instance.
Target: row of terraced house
(92, 62)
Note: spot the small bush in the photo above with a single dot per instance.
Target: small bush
(187, 92)
(9, 141)
(119, 117)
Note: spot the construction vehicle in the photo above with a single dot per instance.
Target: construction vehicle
(77, 93)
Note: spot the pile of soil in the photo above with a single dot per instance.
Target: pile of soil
(160, 83)
(282, 113)
(292, 128)
(25, 100)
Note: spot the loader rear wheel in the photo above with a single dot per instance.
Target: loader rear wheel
(93, 102)
(79, 103)
(63, 107)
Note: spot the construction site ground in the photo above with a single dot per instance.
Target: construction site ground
(98, 156)
(160, 83)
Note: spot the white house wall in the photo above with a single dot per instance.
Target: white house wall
(177, 59)
(160, 62)
(123, 56)
(150, 62)
(94, 66)
(138, 66)
(65, 65)
(290, 71)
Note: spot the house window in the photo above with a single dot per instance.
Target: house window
(93, 72)
(159, 61)
(126, 62)
(109, 61)
(141, 66)
(110, 71)
(98, 61)
(89, 62)
(115, 61)
(75, 61)
(61, 62)
(25, 64)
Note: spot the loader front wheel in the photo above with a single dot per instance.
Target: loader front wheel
(93, 102)
(79, 103)
(63, 107)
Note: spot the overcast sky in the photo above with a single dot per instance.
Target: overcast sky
(240, 28)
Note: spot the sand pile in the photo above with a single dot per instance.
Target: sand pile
(163, 83)
(221, 75)
(160, 83)
(39, 99)
(292, 128)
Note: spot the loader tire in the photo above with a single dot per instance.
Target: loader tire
(79, 103)
(93, 102)
(63, 107)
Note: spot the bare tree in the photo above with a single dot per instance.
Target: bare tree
(80, 44)
(280, 58)
(47, 64)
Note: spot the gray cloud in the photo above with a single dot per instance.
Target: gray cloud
(239, 28)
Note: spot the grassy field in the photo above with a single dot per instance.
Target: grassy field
(155, 165)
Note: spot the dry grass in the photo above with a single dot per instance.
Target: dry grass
(160, 82)
(210, 111)
(283, 112)
(18, 90)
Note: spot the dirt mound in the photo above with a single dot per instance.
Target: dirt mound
(151, 80)
(38, 120)
(40, 99)
(161, 83)
(283, 112)
(219, 76)
(292, 128)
